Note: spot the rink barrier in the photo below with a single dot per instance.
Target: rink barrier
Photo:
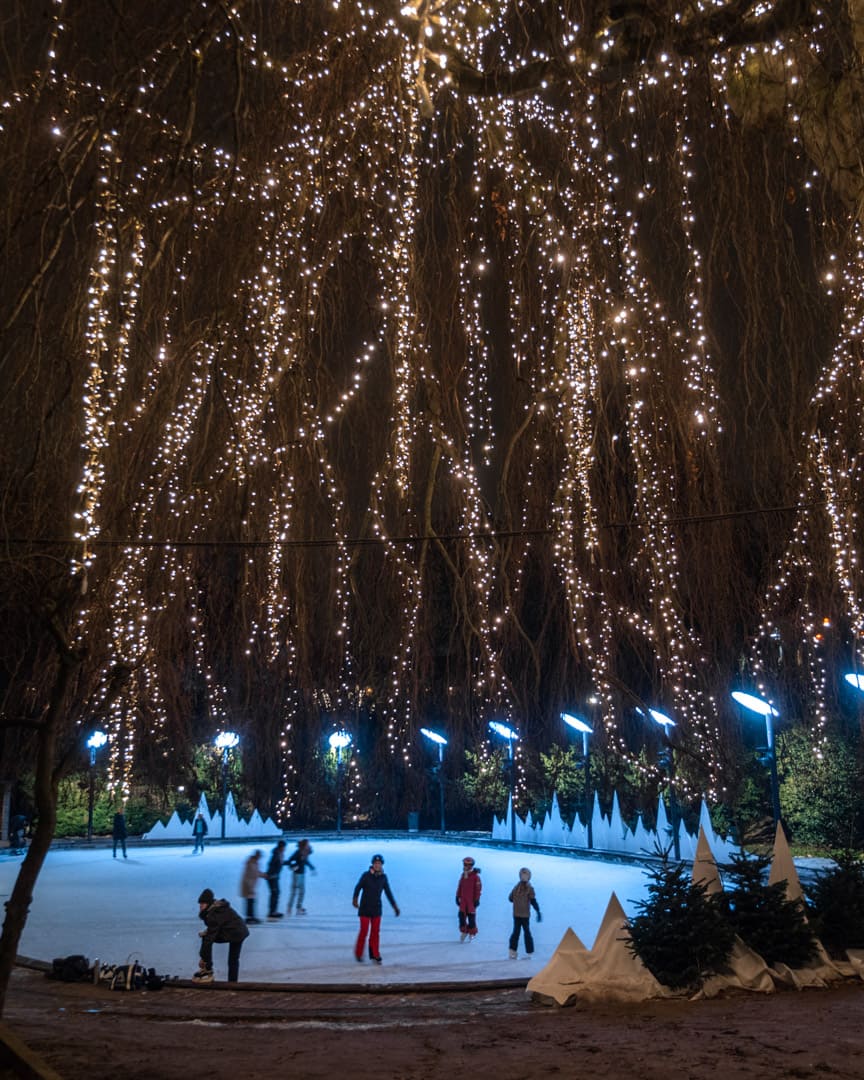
(32, 964)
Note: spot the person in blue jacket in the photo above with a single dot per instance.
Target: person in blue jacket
(367, 900)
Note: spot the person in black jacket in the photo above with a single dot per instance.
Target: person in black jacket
(274, 869)
(223, 925)
(118, 832)
(199, 831)
(369, 889)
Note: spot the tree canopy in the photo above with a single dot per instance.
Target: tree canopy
(378, 364)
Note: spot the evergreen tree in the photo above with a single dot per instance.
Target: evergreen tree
(836, 905)
(681, 933)
(762, 916)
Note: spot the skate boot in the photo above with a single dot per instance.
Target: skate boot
(203, 975)
(512, 954)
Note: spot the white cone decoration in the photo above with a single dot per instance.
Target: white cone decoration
(745, 969)
(820, 970)
(855, 960)
(704, 866)
(616, 970)
(610, 971)
(560, 980)
(783, 867)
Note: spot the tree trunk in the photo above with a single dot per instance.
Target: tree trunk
(45, 791)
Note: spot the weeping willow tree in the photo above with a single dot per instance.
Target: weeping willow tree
(365, 363)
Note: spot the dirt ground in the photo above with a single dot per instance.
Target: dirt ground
(191, 1032)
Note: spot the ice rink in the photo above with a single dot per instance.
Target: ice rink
(145, 908)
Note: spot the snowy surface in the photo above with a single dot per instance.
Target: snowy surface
(145, 907)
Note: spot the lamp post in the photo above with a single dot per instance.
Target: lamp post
(511, 736)
(95, 742)
(338, 741)
(764, 708)
(225, 741)
(578, 724)
(666, 757)
(440, 742)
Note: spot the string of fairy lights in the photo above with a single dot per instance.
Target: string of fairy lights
(582, 318)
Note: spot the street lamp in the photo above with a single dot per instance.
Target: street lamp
(96, 741)
(764, 708)
(666, 757)
(578, 724)
(440, 742)
(511, 736)
(856, 681)
(225, 741)
(339, 740)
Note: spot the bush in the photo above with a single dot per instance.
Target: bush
(820, 795)
(681, 933)
(836, 905)
(770, 924)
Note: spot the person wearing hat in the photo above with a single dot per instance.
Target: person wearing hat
(369, 907)
(223, 925)
(252, 874)
(468, 890)
(523, 899)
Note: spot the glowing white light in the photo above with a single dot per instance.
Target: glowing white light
(754, 704)
(577, 723)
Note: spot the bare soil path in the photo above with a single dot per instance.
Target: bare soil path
(184, 1033)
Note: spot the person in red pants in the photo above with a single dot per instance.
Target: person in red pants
(468, 890)
(367, 900)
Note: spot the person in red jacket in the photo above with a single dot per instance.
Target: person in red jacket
(468, 893)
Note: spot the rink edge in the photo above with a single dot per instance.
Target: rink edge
(323, 988)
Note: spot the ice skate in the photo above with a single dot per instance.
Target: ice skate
(462, 937)
(512, 954)
(204, 974)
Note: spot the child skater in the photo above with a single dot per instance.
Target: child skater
(468, 890)
(523, 899)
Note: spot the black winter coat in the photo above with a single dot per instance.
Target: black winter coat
(223, 923)
(371, 885)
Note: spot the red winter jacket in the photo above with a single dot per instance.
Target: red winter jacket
(468, 891)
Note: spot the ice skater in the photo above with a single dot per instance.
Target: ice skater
(17, 829)
(297, 863)
(369, 908)
(274, 869)
(224, 925)
(468, 890)
(199, 831)
(523, 899)
(252, 874)
(118, 832)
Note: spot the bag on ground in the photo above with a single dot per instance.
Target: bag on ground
(70, 969)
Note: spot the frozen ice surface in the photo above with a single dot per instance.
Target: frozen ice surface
(145, 907)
